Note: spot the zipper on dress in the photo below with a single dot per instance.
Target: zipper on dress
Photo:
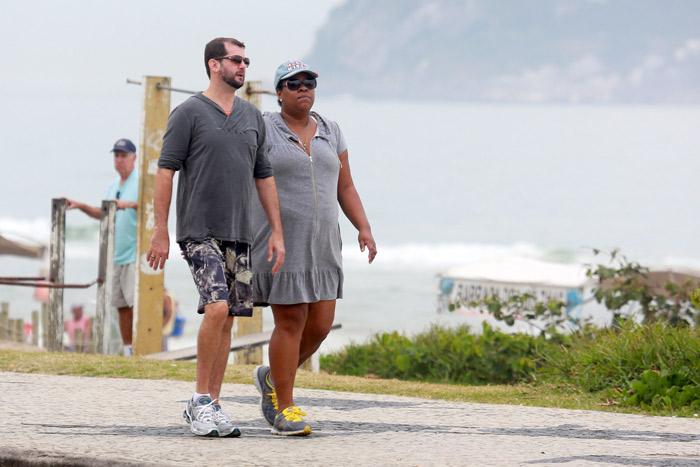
(313, 179)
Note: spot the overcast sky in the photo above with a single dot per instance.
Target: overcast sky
(63, 93)
(64, 46)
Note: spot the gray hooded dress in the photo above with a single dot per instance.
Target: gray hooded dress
(308, 193)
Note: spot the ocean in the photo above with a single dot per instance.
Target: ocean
(443, 184)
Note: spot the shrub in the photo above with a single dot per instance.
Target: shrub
(613, 358)
(443, 355)
(670, 389)
(627, 282)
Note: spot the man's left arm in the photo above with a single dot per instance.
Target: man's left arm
(267, 191)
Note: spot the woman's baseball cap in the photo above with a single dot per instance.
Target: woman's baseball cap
(291, 68)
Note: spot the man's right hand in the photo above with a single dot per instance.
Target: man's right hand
(159, 249)
(93, 211)
(71, 204)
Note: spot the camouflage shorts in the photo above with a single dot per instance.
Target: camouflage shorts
(222, 273)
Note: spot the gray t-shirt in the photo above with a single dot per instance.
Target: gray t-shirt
(218, 157)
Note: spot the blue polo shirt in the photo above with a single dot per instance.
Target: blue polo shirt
(126, 219)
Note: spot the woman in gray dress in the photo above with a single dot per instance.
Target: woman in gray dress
(310, 161)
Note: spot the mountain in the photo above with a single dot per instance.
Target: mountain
(594, 51)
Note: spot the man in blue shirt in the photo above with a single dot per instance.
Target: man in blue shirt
(125, 191)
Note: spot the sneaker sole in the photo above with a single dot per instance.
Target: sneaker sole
(305, 432)
(258, 386)
(234, 434)
(211, 434)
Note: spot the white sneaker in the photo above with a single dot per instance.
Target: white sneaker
(200, 415)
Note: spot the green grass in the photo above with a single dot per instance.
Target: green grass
(533, 394)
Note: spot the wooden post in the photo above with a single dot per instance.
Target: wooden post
(148, 296)
(90, 338)
(312, 364)
(35, 328)
(44, 325)
(57, 260)
(105, 274)
(244, 326)
(244, 92)
(4, 321)
(78, 341)
(19, 330)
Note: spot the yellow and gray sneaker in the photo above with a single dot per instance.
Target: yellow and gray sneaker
(289, 423)
(200, 415)
(268, 396)
(223, 423)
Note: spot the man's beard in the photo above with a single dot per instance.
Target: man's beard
(231, 81)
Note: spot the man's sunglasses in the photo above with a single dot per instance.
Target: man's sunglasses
(295, 84)
(237, 59)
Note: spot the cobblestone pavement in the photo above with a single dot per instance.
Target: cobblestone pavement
(68, 420)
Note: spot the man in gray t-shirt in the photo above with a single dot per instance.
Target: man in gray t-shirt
(215, 140)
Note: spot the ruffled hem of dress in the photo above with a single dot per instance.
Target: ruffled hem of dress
(288, 288)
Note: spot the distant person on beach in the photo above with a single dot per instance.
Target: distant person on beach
(79, 322)
(216, 141)
(125, 191)
(310, 159)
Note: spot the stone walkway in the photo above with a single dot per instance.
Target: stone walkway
(68, 420)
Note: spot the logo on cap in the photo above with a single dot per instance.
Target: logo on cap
(124, 145)
(296, 66)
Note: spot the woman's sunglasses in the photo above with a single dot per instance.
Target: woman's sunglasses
(237, 59)
(295, 84)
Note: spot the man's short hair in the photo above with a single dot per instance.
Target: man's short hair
(217, 48)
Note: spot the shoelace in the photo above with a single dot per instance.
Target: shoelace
(220, 416)
(293, 414)
(272, 393)
(206, 413)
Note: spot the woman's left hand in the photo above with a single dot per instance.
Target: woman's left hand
(366, 240)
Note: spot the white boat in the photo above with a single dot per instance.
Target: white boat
(505, 277)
